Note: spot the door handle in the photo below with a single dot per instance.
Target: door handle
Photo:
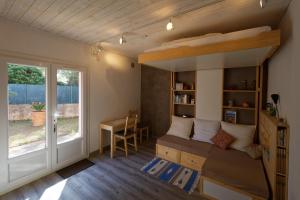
(54, 127)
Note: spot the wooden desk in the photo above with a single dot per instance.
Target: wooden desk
(111, 126)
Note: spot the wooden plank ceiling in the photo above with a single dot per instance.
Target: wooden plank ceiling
(104, 21)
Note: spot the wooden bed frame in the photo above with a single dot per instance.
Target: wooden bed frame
(265, 39)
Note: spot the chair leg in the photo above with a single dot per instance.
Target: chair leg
(115, 144)
(147, 130)
(135, 142)
(141, 136)
(125, 147)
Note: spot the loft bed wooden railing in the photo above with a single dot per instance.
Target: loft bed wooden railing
(233, 52)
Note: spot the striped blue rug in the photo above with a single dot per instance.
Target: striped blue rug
(175, 174)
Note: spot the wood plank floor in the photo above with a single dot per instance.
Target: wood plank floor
(116, 179)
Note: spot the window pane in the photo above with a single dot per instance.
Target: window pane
(26, 109)
(68, 105)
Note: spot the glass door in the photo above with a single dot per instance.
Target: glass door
(68, 121)
(27, 119)
(42, 119)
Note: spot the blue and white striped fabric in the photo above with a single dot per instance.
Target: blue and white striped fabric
(175, 174)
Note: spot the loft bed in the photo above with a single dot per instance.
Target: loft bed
(237, 49)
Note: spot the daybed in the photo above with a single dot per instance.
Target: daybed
(225, 174)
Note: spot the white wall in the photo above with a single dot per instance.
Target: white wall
(114, 90)
(209, 94)
(284, 73)
(114, 87)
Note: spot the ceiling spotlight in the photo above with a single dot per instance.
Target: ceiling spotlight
(122, 40)
(169, 26)
(263, 3)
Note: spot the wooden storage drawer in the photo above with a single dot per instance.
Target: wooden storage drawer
(168, 153)
(192, 161)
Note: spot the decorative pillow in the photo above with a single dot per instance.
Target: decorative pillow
(181, 127)
(243, 134)
(204, 130)
(222, 139)
(254, 151)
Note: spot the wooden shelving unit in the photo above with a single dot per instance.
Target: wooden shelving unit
(240, 86)
(178, 107)
(274, 137)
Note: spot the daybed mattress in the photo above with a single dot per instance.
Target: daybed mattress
(211, 38)
(237, 169)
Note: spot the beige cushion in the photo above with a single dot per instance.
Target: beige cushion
(181, 127)
(204, 130)
(243, 134)
(254, 151)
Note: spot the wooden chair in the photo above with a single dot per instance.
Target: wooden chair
(142, 131)
(130, 131)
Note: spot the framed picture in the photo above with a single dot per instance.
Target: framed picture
(230, 116)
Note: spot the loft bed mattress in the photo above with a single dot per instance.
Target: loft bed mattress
(211, 38)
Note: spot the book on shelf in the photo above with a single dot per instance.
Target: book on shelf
(281, 161)
(281, 138)
(230, 116)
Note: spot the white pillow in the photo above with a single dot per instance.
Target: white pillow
(181, 127)
(243, 134)
(204, 130)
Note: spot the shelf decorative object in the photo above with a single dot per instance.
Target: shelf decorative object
(275, 98)
(179, 86)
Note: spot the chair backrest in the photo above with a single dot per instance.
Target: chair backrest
(131, 123)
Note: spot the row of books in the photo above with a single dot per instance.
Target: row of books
(281, 187)
(281, 161)
(282, 137)
(184, 99)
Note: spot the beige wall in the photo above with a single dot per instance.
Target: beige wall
(209, 94)
(284, 72)
(114, 87)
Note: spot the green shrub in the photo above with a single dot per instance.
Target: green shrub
(19, 74)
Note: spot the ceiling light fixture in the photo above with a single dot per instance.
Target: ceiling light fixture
(262, 3)
(169, 26)
(96, 50)
(122, 40)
